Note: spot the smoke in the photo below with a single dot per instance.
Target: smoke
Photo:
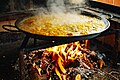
(56, 6)
(77, 2)
(60, 11)
(63, 6)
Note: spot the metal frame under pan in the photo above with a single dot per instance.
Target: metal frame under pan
(55, 39)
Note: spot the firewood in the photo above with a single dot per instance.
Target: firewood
(78, 77)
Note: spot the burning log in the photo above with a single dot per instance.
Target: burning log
(61, 66)
(78, 77)
(58, 73)
(65, 62)
(101, 63)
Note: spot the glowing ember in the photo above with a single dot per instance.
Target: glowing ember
(71, 61)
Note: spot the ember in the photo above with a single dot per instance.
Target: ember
(71, 61)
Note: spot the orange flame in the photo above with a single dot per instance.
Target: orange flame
(63, 55)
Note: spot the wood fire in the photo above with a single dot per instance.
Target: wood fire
(71, 61)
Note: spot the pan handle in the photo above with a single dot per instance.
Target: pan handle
(8, 28)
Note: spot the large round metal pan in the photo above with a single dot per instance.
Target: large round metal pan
(63, 38)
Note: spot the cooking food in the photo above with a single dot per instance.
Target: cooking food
(62, 25)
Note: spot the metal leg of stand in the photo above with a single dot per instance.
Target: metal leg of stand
(24, 43)
(116, 40)
(116, 44)
(35, 41)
